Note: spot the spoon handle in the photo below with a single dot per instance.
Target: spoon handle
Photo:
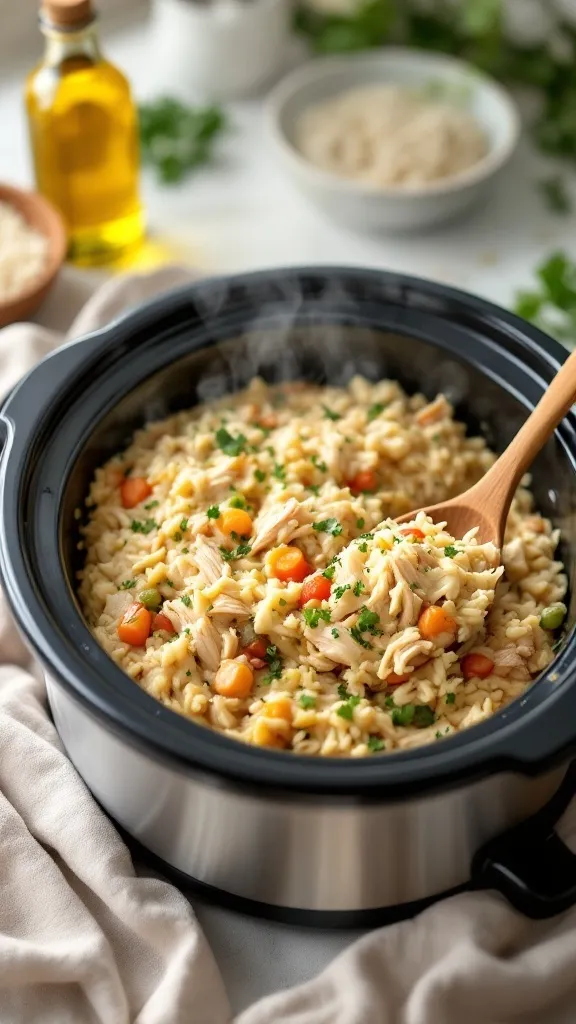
(500, 483)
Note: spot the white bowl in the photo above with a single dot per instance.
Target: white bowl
(366, 206)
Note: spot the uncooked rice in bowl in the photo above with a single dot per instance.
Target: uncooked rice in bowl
(242, 566)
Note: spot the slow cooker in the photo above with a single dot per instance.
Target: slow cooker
(330, 841)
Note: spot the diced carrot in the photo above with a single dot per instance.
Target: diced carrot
(268, 421)
(162, 622)
(233, 679)
(280, 708)
(288, 564)
(412, 531)
(235, 520)
(396, 680)
(365, 480)
(134, 490)
(134, 627)
(435, 621)
(255, 649)
(315, 589)
(476, 666)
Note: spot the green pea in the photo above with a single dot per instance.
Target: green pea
(151, 599)
(553, 616)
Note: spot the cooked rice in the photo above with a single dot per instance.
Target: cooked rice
(324, 686)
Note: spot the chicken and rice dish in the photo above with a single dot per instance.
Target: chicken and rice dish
(242, 565)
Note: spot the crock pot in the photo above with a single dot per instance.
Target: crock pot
(326, 840)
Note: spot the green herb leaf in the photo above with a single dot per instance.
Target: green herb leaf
(363, 547)
(347, 710)
(450, 551)
(368, 622)
(360, 523)
(185, 600)
(306, 701)
(450, 698)
(358, 588)
(340, 591)
(274, 660)
(375, 411)
(375, 744)
(329, 572)
(312, 616)
(127, 585)
(357, 636)
(555, 194)
(175, 139)
(319, 465)
(329, 415)
(177, 536)
(213, 512)
(335, 633)
(144, 526)
(228, 444)
(151, 504)
(279, 472)
(259, 475)
(331, 526)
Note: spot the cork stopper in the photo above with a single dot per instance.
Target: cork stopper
(68, 15)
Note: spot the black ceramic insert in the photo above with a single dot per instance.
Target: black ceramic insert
(324, 324)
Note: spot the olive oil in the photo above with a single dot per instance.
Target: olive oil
(84, 136)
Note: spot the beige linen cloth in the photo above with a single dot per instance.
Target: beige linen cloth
(84, 940)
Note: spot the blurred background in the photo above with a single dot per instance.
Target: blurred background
(223, 186)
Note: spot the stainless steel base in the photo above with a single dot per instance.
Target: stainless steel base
(317, 856)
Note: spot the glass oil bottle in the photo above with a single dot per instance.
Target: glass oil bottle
(84, 136)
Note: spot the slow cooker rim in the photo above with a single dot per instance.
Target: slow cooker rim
(279, 770)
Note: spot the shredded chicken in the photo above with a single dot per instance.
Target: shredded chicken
(275, 520)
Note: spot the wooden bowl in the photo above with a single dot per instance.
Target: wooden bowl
(41, 215)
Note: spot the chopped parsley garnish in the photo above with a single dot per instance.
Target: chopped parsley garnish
(239, 552)
(279, 472)
(274, 660)
(144, 526)
(367, 622)
(127, 585)
(340, 591)
(270, 450)
(419, 715)
(389, 702)
(177, 536)
(335, 633)
(151, 504)
(450, 698)
(347, 710)
(360, 523)
(319, 465)
(342, 692)
(259, 475)
(363, 547)
(186, 600)
(397, 540)
(314, 488)
(374, 744)
(306, 701)
(184, 525)
(329, 415)
(228, 444)
(282, 602)
(375, 411)
(185, 551)
(213, 512)
(170, 583)
(237, 501)
(329, 572)
(366, 536)
(436, 437)
(358, 588)
(450, 551)
(188, 672)
(312, 616)
(331, 526)
(413, 586)
(357, 636)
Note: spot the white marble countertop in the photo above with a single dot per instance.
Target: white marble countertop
(239, 215)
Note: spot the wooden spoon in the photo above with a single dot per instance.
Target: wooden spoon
(486, 505)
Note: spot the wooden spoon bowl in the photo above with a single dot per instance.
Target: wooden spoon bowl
(487, 504)
(44, 218)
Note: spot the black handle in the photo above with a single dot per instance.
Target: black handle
(529, 864)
